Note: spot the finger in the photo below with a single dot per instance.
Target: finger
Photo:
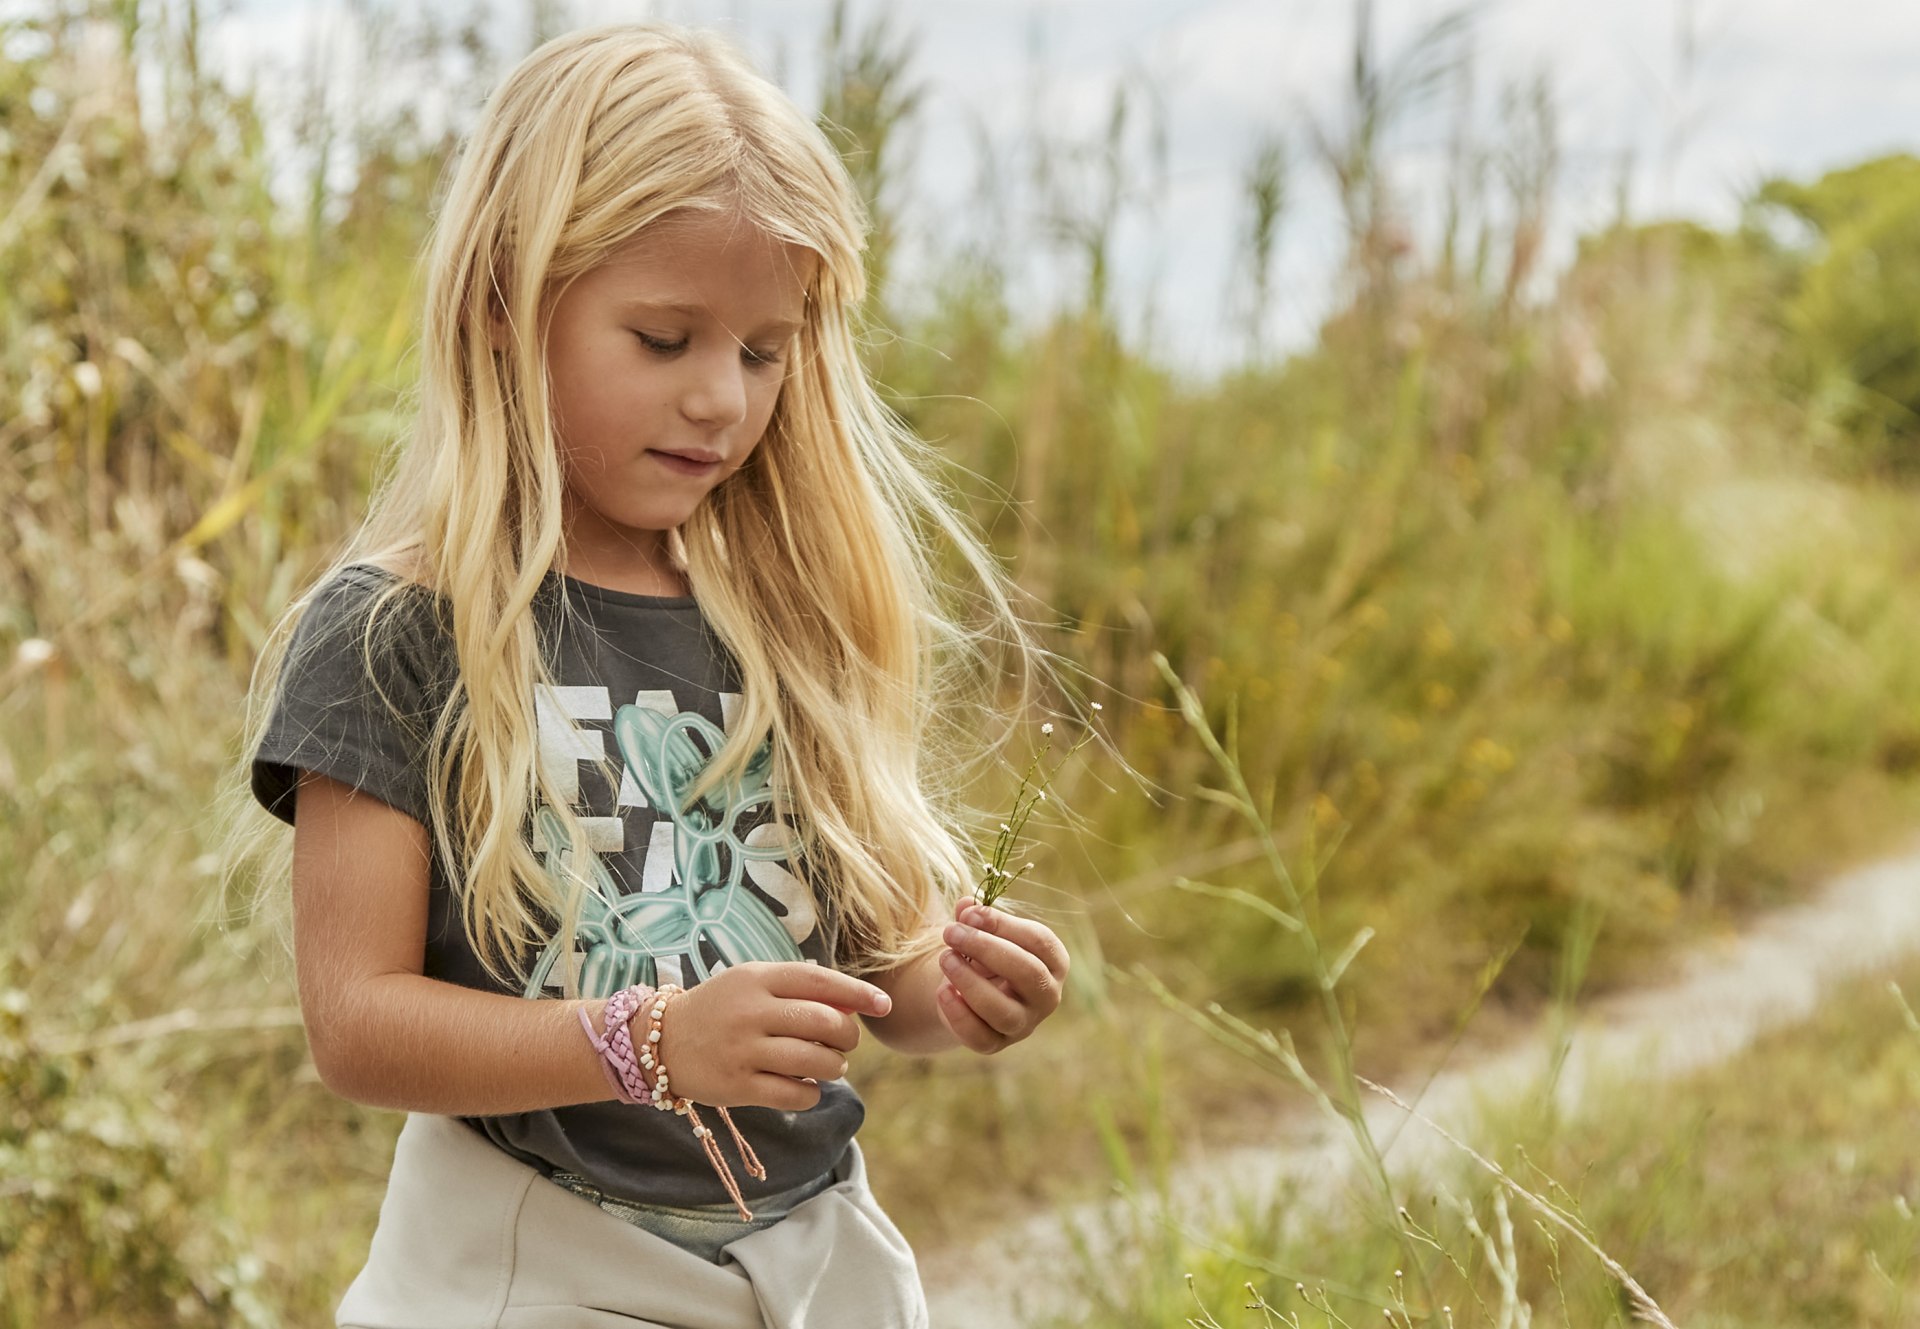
(782, 1092)
(816, 982)
(1000, 1010)
(985, 972)
(969, 1028)
(1029, 975)
(1028, 934)
(1043, 988)
(814, 1022)
(802, 1060)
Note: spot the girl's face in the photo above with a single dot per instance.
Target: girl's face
(665, 364)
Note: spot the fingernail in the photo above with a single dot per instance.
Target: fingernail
(882, 1003)
(957, 934)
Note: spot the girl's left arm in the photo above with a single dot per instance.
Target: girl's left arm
(992, 983)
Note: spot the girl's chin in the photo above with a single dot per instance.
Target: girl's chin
(655, 504)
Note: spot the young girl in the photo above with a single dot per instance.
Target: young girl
(607, 740)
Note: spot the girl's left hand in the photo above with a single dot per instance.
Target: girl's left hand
(1004, 976)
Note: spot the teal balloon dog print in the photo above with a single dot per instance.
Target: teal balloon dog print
(708, 910)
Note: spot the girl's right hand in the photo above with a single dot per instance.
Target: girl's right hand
(756, 1033)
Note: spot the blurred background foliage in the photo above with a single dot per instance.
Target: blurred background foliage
(1569, 607)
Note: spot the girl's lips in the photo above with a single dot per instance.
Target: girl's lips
(685, 463)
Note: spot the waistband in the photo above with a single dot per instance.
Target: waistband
(702, 1228)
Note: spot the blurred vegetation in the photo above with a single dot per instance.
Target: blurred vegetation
(1852, 306)
(1557, 604)
(1775, 1189)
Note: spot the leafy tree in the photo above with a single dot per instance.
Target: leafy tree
(1854, 314)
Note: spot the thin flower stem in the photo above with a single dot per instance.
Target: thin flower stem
(1035, 780)
(1240, 797)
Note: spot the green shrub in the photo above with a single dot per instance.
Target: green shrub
(114, 1205)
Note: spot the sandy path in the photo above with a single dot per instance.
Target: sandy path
(1726, 993)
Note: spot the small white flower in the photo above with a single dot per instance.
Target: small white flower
(1097, 706)
(1047, 728)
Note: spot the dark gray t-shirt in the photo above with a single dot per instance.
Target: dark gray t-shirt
(678, 896)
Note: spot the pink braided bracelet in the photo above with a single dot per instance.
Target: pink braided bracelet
(617, 1060)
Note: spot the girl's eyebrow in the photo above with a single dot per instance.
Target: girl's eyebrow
(781, 327)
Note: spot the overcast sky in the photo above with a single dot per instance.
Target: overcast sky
(1772, 87)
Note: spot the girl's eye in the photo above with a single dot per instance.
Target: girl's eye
(760, 359)
(661, 346)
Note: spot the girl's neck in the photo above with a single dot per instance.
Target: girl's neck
(618, 559)
(670, 586)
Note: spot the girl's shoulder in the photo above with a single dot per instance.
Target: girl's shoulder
(401, 624)
(365, 674)
(381, 572)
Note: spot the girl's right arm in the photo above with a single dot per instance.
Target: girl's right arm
(384, 1034)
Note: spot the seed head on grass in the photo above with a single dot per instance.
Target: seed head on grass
(995, 875)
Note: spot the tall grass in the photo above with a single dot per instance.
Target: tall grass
(1674, 1180)
(1464, 561)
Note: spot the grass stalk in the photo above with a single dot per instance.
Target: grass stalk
(1344, 1100)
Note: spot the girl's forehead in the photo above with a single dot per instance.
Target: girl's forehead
(691, 248)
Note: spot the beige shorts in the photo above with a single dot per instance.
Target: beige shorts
(471, 1238)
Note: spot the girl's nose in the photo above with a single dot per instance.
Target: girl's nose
(716, 392)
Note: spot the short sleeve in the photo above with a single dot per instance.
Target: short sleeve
(362, 723)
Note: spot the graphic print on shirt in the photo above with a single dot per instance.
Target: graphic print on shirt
(715, 889)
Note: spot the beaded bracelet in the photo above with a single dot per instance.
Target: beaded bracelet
(627, 1071)
(652, 1058)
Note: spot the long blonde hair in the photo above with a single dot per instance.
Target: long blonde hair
(827, 565)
